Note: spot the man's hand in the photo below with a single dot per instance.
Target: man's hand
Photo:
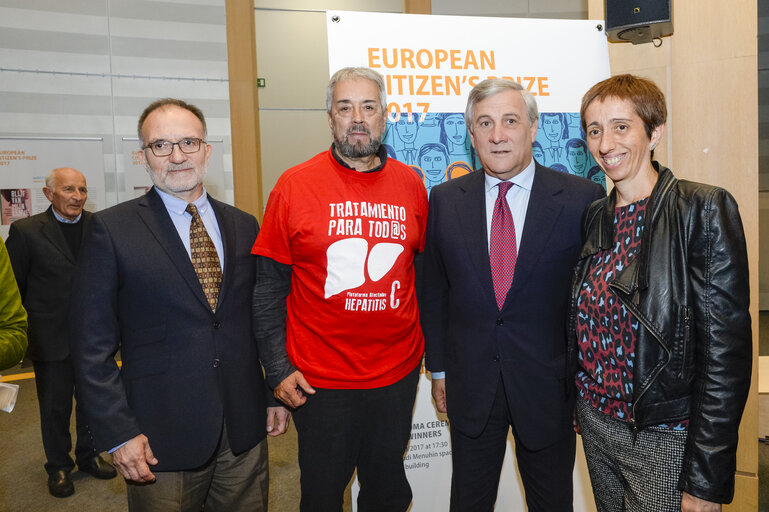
(292, 390)
(439, 394)
(132, 458)
(278, 419)
(575, 424)
(691, 503)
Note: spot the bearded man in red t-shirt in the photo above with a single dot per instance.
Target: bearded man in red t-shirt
(335, 306)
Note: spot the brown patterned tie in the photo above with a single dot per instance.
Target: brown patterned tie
(204, 258)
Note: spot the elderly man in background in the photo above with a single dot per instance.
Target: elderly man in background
(44, 249)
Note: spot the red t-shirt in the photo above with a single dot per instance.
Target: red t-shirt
(350, 238)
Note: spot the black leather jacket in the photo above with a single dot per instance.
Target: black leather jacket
(688, 288)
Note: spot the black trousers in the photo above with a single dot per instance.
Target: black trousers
(340, 430)
(55, 381)
(477, 463)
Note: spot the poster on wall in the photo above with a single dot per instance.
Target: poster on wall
(24, 164)
(429, 66)
(138, 182)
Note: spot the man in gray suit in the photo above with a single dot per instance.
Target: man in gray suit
(43, 251)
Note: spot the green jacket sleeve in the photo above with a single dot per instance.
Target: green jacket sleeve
(13, 318)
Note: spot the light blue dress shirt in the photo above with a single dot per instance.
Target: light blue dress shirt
(65, 220)
(177, 210)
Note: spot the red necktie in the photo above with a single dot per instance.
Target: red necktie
(502, 249)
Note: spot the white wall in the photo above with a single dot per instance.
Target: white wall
(88, 69)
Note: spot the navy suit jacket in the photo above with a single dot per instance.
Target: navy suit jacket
(475, 343)
(185, 368)
(43, 264)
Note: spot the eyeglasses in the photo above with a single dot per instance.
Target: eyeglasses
(165, 148)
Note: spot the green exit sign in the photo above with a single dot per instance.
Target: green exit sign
(260, 83)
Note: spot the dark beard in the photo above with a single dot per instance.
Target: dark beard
(358, 150)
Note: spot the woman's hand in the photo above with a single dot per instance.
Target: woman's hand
(691, 503)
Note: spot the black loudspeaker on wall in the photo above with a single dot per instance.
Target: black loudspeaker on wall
(638, 21)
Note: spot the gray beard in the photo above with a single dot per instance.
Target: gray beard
(357, 150)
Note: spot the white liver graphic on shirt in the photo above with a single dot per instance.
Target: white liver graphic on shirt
(347, 259)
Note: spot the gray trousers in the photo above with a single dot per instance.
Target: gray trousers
(628, 476)
(227, 483)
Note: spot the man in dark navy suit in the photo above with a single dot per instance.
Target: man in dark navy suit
(168, 278)
(501, 245)
(44, 249)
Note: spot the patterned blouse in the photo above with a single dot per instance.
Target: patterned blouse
(607, 332)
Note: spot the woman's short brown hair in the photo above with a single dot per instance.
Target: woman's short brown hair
(644, 94)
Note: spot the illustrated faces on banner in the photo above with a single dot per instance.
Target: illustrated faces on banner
(436, 146)
(561, 145)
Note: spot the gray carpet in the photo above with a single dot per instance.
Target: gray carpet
(23, 485)
(23, 482)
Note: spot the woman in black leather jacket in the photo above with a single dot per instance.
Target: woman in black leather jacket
(660, 341)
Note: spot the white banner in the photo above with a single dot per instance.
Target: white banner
(429, 68)
(436, 60)
(430, 64)
(24, 164)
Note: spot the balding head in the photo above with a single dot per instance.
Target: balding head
(67, 191)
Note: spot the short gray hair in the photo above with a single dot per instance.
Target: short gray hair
(494, 86)
(50, 178)
(352, 74)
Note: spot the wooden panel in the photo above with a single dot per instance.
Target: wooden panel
(717, 142)
(709, 31)
(417, 6)
(745, 494)
(244, 105)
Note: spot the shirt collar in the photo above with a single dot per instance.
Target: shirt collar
(65, 220)
(523, 179)
(179, 206)
(381, 153)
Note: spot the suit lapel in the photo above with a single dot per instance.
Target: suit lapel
(471, 213)
(545, 205)
(229, 239)
(155, 216)
(51, 230)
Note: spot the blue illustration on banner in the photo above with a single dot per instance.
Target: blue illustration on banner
(438, 148)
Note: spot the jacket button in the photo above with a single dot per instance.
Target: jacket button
(217, 324)
(215, 363)
(500, 321)
(496, 359)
